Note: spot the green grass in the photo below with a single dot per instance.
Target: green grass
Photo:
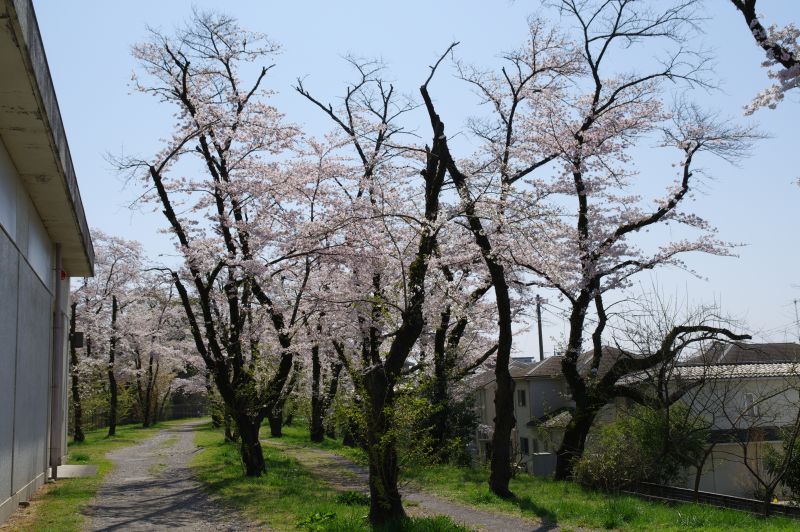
(297, 434)
(288, 496)
(60, 507)
(565, 503)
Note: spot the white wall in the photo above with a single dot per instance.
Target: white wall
(27, 279)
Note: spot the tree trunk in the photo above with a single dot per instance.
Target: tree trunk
(275, 411)
(275, 418)
(504, 393)
(158, 414)
(572, 445)
(574, 441)
(699, 472)
(252, 456)
(317, 430)
(216, 406)
(504, 420)
(112, 380)
(348, 439)
(385, 501)
(77, 407)
(439, 395)
(767, 508)
(231, 432)
(148, 410)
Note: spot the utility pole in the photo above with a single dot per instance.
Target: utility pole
(539, 322)
(797, 318)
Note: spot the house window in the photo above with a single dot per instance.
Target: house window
(523, 446)
(750, 405)
(521, 398)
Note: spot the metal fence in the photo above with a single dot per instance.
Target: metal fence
(671, 494)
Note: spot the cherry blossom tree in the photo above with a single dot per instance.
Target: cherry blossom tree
(390, 219)
(160, 359)
(238, 219)
(461, 330)
(557, 108)
(590, 251)
(783, 55)
(326, 369)
(487, 185)
(98, 303)
(133, 314)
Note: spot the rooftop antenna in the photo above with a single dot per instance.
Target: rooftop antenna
(797, 318)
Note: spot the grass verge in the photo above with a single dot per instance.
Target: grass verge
(59, 506)
(288, 496)
(298, 435)
(566, 503)
(563, 503)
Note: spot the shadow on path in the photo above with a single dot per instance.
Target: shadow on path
(342, 474)
(152, 488)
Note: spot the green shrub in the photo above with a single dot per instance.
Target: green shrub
(353, 498)
(317, 521)
(644, 445)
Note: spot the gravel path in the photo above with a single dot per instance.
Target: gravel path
(342, 474)
(152, 488)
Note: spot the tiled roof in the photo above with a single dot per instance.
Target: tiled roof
(747, 353)
(724, 371)
(734, 371)
(520, 369)
(551, 367)
(517, 368)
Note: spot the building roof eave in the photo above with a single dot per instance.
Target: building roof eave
(33, 133)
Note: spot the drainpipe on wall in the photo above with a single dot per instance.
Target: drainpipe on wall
(57, 373)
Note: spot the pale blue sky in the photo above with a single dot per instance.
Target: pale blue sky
(88, 44)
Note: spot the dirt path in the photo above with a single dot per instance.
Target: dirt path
(342, 474)
(152, 488)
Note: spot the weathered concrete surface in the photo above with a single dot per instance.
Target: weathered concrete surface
(25, 322)
(342, 474)
(76, 471)
(152, 488)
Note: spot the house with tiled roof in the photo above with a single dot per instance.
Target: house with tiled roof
(542, 408)
(750, 392)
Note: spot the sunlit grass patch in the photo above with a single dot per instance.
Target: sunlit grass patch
(289, 496)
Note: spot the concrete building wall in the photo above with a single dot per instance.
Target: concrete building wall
(725, 471)
(27, 281)
(547, 395)
(9, 265)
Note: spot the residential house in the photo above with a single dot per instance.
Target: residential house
(542, 407)
(749, 392)
(44, 240)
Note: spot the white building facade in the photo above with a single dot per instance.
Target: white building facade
(44, 240)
